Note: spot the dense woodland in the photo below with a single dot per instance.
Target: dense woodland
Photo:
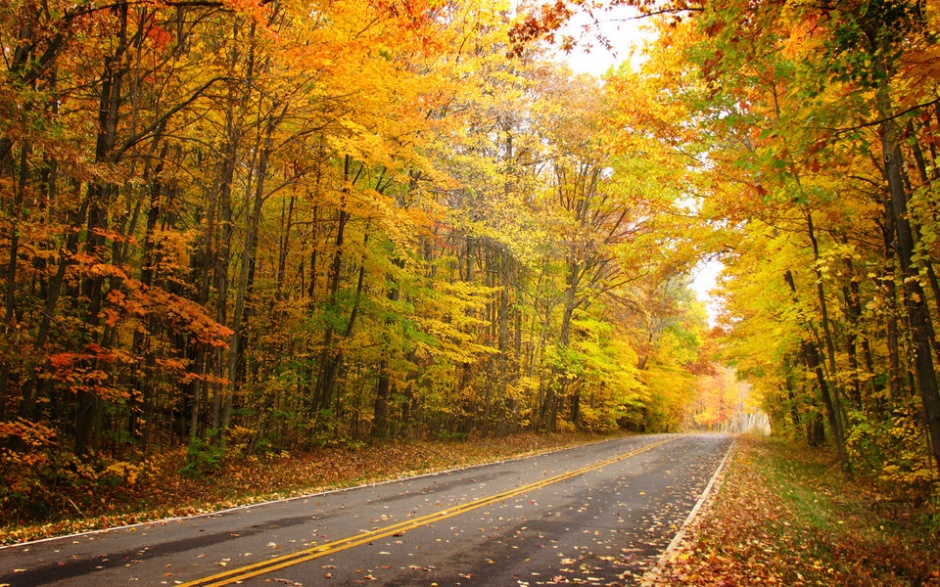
(247, 227)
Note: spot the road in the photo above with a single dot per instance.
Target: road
(594, 515)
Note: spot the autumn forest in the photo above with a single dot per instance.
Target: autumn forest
(232, 227)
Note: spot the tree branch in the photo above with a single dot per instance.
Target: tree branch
(130, 142)
(880, 121)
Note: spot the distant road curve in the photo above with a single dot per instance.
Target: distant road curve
(594, 515)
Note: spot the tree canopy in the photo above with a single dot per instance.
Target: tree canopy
(243, 226)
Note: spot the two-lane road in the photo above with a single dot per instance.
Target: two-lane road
(598, 514)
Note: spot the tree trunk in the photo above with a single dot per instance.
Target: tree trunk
(237, 100)
(812, 361)
(890, 294)
(100, 194)
(239, 323)
(850, 294)
(383, 389)
(921, 328)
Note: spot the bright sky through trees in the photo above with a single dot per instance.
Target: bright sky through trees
(628, 34)
(620, 27)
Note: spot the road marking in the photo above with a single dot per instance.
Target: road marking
(274, 564)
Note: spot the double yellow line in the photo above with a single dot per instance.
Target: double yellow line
(274, 564)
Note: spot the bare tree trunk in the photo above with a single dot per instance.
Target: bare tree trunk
(9, 318)
(914, 298)
(247, 266)
(287, 218)
(812, 360)
(100, 194)
(238, 99)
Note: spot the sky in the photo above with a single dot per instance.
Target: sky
(625, 33)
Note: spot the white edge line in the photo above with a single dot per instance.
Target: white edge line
(164, 521)
(688, 520)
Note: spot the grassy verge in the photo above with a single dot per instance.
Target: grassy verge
(161, 491)
(786, 516)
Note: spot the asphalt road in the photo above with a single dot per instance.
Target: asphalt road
(595, 515)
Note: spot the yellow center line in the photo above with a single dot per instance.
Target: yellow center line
(273, 564)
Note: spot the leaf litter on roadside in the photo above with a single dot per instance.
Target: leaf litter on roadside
(786, 516)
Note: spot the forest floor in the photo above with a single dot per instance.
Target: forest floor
(162, 490)
(786, 515)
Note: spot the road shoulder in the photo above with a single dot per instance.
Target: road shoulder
(785, 515)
